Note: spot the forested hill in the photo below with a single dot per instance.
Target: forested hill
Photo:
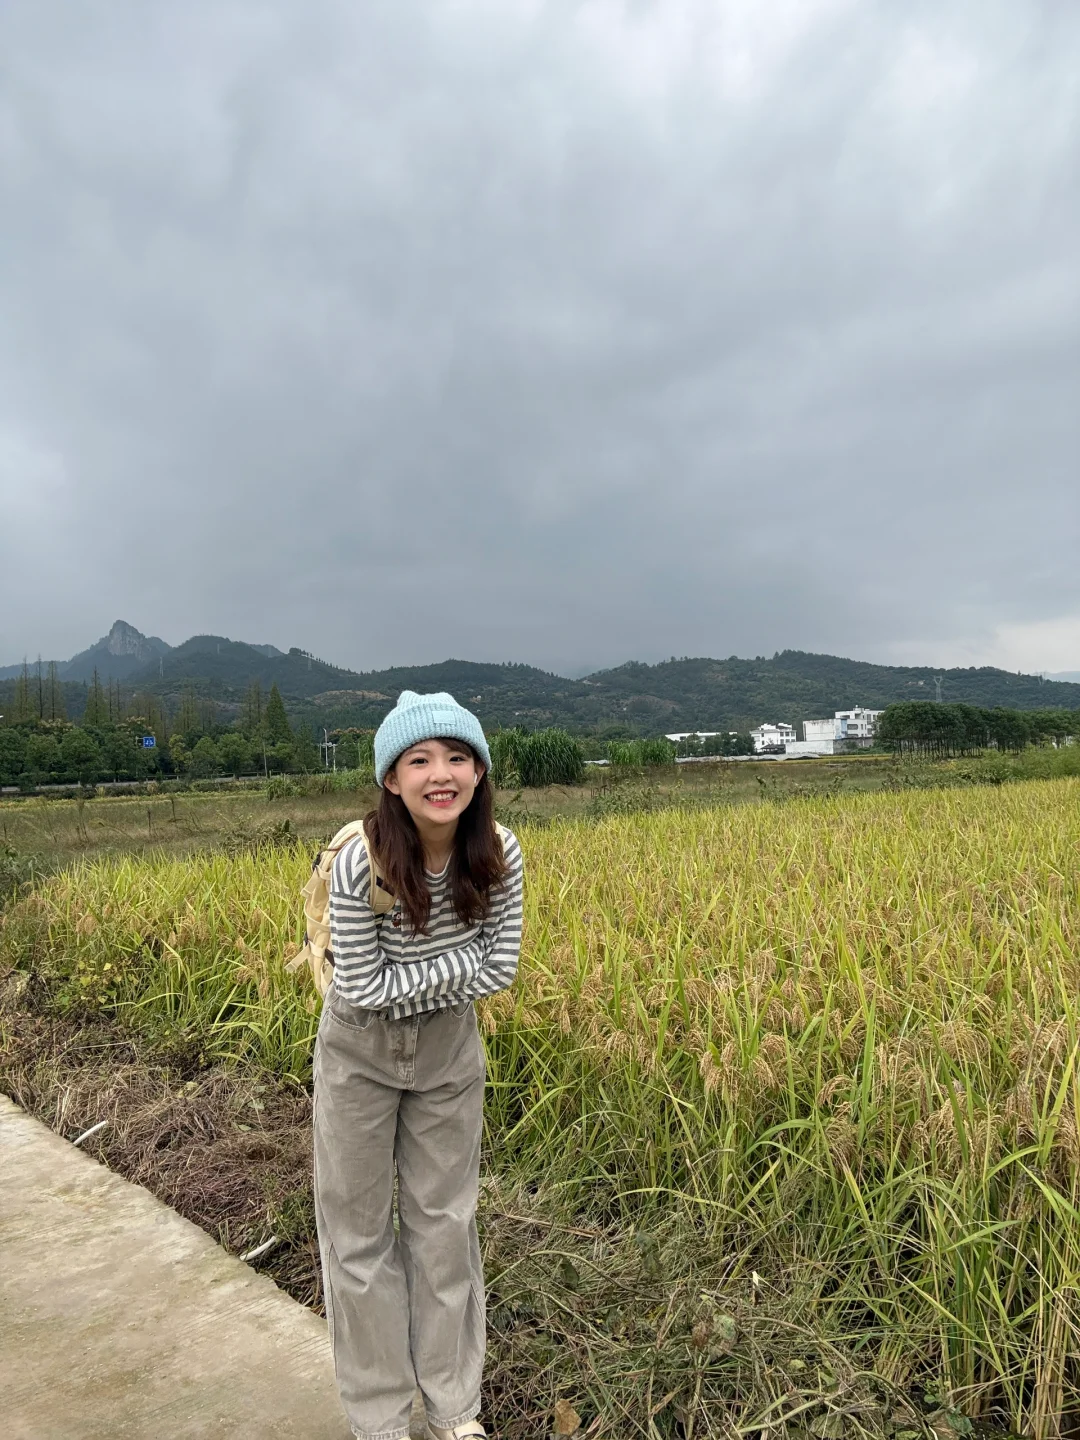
(795, 685)
(640, 699)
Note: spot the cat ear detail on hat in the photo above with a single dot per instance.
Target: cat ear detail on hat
(426, 717)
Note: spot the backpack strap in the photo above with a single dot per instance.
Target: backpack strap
(316, 952)
(379, 897)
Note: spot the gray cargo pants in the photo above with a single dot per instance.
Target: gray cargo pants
(405, 1309)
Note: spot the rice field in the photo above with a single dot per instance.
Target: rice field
(815, 1062)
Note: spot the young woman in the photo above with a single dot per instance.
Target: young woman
(399, 1075)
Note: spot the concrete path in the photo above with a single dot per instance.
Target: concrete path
(120, 1320)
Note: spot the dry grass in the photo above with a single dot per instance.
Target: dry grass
(62, 829)
(231, 1153)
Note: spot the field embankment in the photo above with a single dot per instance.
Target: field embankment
(782, 1118)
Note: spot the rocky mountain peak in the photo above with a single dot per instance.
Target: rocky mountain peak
(124, 639)
(117, 655)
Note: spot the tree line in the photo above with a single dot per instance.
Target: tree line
(728, 742)
(40, 746)
(927, 728)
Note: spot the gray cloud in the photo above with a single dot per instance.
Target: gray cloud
(564, 332)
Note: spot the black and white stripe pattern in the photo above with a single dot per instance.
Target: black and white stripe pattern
(380, 965)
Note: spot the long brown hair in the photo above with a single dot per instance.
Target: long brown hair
(477, 866)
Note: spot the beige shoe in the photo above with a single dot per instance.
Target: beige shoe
(471, 1430)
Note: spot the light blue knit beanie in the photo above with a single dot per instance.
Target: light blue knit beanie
(425, 717)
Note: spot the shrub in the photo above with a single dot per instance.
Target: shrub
(550, 757)
(337, 782)
(205, 760)
(625, 797)
(15, 871)
(242, 839)
(281, 787)
(641, 753)
(545, 757)
(505, 747)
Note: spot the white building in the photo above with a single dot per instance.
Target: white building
(772, 739)
(827, 737)
(821, 732)
(858, 724)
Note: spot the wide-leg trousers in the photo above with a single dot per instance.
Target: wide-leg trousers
(405, 1304)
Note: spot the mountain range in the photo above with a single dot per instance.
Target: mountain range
(635, 698)
(124, 653)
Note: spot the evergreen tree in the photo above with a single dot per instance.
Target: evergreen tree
(97, 708)
(234, 752)
(12, 754)
(119, 753)
(42, 757)
(80, 754)
(205, 760)
(40, 691)
(147, 707)
(253, 709)
(23, 710)
(54, 693)
(187, 722)
(179, 756)
(305, 751)
(146, 762)
(279, 758)
(275, 721)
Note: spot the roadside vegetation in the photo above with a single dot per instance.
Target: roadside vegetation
(783, 1110)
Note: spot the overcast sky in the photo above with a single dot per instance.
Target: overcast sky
(558, 332)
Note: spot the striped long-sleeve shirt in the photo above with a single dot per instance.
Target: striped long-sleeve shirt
(379, 964)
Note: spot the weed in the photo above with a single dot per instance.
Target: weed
(16, 871)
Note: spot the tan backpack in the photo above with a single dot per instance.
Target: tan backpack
(316, 953)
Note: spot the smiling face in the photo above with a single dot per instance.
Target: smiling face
(436, 780)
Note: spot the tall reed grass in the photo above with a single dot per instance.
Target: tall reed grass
(535, 759)
(838, 1037)
(641, 753)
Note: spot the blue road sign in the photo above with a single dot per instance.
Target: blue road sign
(148, 742)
